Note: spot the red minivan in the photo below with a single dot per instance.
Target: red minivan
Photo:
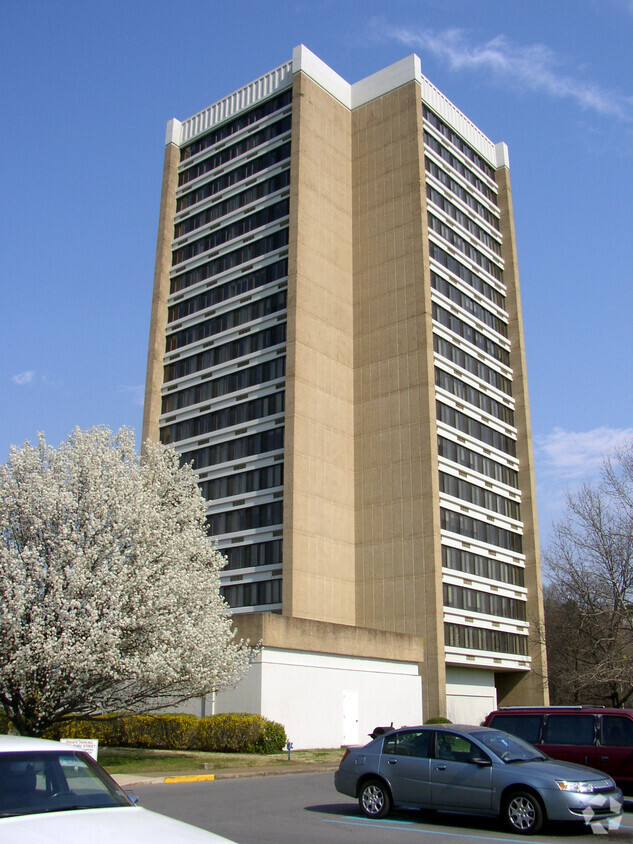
(594, 736)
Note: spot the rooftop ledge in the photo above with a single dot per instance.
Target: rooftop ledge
(350, 95)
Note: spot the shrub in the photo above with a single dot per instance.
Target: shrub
(438, 719)
(274, 738)
(240, 733)
(230, 733)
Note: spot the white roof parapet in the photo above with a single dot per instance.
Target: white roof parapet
(172, 135)
(305, 60)
(388, 79)
(440, 104)
(249, 95)
(503, 156)
(352, 96)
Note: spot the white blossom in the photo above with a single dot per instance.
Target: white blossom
(109, 585)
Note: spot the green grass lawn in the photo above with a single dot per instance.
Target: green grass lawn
(124, 760)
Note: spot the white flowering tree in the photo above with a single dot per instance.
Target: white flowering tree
(109, 586)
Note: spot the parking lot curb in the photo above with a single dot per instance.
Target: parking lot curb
(131, 780)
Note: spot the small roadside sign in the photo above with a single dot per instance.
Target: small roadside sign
(88, 745)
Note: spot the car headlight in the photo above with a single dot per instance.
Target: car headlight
(579, 787)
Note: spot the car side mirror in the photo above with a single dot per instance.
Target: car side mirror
(483, 762)
(131, 796)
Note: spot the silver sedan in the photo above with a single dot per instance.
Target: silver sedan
(475, 770)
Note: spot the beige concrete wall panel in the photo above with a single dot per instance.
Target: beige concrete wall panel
(319, 576)
(158, 318)
(530, 688)
(397, 529)
(313, 636)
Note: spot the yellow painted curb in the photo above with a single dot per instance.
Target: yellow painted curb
(193, 778)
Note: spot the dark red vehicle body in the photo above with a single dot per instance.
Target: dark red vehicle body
(594, 736)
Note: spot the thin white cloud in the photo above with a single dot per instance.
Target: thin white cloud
(137, 392)
(54, 383)
(573, 455)
(22, 378)
(30, 377)
(566, 459)
(534, 67)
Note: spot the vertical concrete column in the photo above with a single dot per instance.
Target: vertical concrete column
(399, 569)
(529, 688)
(158, 319)
(319, 435)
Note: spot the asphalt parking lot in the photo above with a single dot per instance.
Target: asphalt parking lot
(306, 809)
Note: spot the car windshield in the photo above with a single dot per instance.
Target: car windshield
(36, 782)
(507, 747)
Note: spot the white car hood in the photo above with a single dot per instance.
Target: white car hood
(121, 825)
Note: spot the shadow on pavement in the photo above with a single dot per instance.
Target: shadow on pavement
(444, 820)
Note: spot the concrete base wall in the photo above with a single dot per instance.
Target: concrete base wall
(470, 694)
(326, 700)
(328, 684)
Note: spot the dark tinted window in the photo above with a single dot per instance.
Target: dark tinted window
(617, 731)
(569, 729)
(411, 743)
(527, 727)
(35, 782)
(454, 748)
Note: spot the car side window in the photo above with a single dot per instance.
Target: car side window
(453, 748)
(527, 727)
(412, 743)
(569, 729)
(617, 731)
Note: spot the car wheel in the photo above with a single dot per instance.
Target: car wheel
(523, 812)
(374, 799)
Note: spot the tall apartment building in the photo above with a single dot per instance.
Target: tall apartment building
(336, 343)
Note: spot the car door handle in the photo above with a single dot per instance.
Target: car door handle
(393, 761)
(440, 767)
(604, 758)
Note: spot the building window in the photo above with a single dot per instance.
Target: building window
(251, 376)
(477, 639)
(477, 462)
(471, 600)
(459, 559)
(478, 496)
(239, 228)
(467, 425)
(236, 449)
(230, 260)
(253, 554)
(481, 531)
(245, 518)
(465, 392)
(460, 192)
(471, 335)
(261, 593)
(228, 290)
(240, 483)
(236, 414)
(245, 119)
(228, 153)
(466, 303)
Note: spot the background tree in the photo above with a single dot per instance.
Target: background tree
(589, 602)
(109, 585)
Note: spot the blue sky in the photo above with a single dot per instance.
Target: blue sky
(87, 88)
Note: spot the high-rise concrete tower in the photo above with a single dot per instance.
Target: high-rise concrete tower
(337, 345)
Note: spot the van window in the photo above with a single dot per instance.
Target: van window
(527, 727)
(617, 731)
(569, 729)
